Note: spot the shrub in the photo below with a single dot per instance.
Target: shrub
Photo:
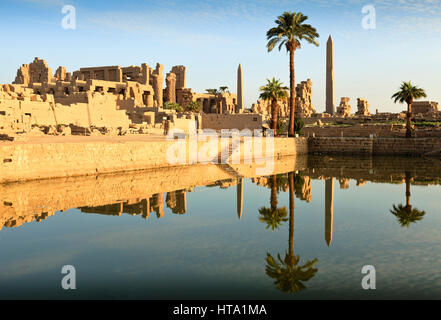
(173, 106)
(298, 125)
(194, 106)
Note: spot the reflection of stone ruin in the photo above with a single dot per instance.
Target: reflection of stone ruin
(344, 109)
(109, 99)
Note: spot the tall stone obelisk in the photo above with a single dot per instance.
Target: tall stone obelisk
(239, 108)
(330, 76)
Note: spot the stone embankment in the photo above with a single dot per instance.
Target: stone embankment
(52, 157)
(64, 156)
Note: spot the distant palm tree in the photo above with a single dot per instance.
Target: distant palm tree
(224, 89)
(408, 93)
(212, 91)
(406, 214)
(288, 274)
(289, 32)
(273, 91)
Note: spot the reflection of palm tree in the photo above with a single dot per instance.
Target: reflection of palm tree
(273, 216)
(288, 275)
(406, 214)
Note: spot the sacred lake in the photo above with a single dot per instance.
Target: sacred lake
(225, 232)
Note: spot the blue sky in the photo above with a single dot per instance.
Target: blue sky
(212, 37)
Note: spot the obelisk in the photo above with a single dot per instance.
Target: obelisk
(329, 209)
(330, 76)
(239, 108)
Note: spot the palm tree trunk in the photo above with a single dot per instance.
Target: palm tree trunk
(273, 200)
(407, 189)
(291, 216)
(292, 95)
(409, 123)
(274, 113)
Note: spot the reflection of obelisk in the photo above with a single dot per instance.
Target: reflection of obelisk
(145, 208)
(240, 198)
(329, 209)
(330, 76)
(239, 108)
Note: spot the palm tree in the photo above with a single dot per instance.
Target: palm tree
(406, 214)
(288, 274)
(224, 89)
(408, 93)
(273, 91)
(212, 91)
(289, 32)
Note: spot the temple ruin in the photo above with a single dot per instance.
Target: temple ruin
(108, 99)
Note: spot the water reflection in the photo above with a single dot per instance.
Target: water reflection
(405, 213)
(143, 194)
(273, 216)
(289, 276)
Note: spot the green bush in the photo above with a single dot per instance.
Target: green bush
(173, 106)
(194, 106)
(298, 125)
(282, 127)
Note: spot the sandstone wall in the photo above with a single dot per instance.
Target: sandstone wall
(233, 121)
(379, 131)
(376, 146)
(29, 161)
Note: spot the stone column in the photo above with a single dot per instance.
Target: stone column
(158, 84)
(329, 210)
(239, 107)
(180, 71)
(330, 76)
(145, 73)
(170, 89)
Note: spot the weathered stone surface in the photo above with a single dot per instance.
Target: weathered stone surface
(425, 107)
(304, 106)
(37, 71)
(180, 72)
(362, 107)
(170, 89)
(344, 109)
(158, 83)
(184, 96)
(60, 74)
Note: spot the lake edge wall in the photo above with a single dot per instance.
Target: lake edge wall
(373, 146)
(33, 161)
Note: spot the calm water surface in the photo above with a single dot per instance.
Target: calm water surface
(164, 235)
